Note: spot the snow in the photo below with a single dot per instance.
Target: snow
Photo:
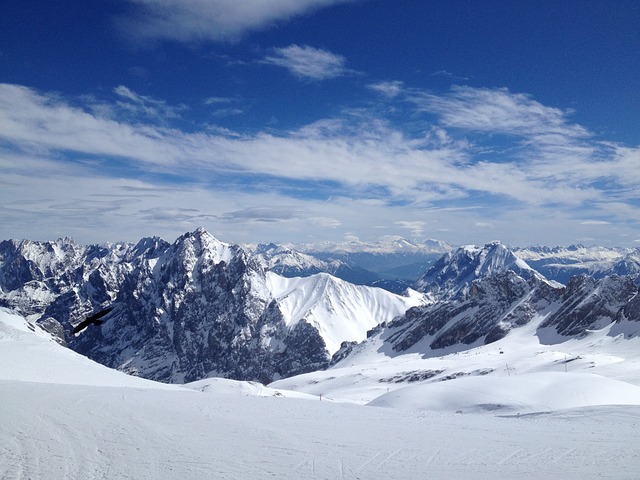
(373, 369)
(65, 417)
(339, 310)
(386, 245)
(530, 393)
(224, 386)
(578, 254)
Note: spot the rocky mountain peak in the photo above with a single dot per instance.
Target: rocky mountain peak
(454, 272)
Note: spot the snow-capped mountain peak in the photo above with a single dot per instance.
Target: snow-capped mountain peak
(204, 246)
(326, 302)
(454, 272)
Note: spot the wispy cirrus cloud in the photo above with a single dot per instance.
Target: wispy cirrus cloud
(496, 111)
(371, 154)
(308, 62)
(208, 20)
(512, 132)
(141, 105)
(389, 89)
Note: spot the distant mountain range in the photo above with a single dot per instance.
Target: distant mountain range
(199, 307)
(562, 263)
(393, 263)
(397, 263)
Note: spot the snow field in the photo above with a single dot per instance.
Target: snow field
(87, 432)
(63, 416)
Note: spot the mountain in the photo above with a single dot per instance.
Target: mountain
(500, 316)
(391, 258)
(387, 245)
(453, 273)
(187, 310)
(292, 263)
(393, 263)
(492, 306)
(562, 263)
(504, 326)
(498, 303)
(589, 304)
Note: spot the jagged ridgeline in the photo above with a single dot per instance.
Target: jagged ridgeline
(187, 310)
(199, 307)
(482, 294)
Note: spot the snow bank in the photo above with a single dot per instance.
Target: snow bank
(224, 386)
(535, 392)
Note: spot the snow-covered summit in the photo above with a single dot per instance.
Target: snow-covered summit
(562, 263)
(325, 302)
(454, 272)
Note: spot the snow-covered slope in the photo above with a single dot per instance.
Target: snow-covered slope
(528, 392)
(29, 354)
(67, 428)
(325, 302)
(521, 372)
(589, 327)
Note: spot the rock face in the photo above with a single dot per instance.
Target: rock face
(453, 274)
(589, 304)
(492, 307)
(187, 310)
(496, 304)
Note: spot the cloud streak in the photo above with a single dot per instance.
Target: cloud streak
(192, 21)
(497, 111)
(308, 62)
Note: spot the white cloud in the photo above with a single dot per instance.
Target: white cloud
(218, 100)
(416, 227)
(209, 20)
(497, 111)
(595, 222)
(361, 175)
(366, 157)
(308, 62)
(389, 89)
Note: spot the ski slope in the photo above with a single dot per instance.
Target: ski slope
(65, 417)
(523, 365)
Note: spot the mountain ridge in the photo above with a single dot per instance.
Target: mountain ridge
(200, 307)
(187, 310)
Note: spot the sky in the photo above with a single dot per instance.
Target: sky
(321, 120)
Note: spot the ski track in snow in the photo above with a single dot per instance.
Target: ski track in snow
(65, 417)
(89, 432)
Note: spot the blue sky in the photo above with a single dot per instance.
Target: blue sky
(308, 120)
